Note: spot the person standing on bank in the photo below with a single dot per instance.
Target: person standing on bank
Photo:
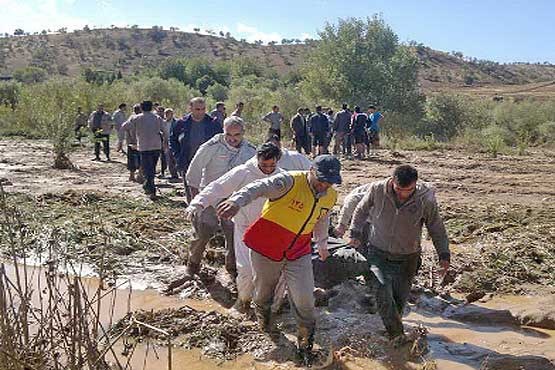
(100, 123)
(148, 127)
(295, 212)
(397, 208)
(119, 118)
(188, 134)
(274, 118)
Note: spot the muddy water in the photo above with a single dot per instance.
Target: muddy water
(456, 346)
(453, 345)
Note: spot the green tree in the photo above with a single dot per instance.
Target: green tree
(173, 68)
(9, 93)
(30, 75)
(446, 115)
(204, 83)
(217, 91)
(362, 62)
(50, 108)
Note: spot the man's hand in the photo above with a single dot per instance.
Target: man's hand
(227, 209)
(339, 231)
(353, 242)
(323, 252)
(191, 212)
(193, 191)
(444, 264)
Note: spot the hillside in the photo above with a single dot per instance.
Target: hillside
(135, 50)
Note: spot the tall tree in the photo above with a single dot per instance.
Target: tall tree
(361, 61)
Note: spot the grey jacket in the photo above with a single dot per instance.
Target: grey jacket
(105, 127)
(119, 118)
(147, 127)
(275, 119)
(398, 230)
(214, 158)
(350, 203)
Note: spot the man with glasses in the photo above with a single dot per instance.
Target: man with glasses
(397, 208)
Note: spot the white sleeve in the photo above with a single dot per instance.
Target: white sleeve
(197, 165)
(220, 189)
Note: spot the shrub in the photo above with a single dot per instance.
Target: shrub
(30, 75)
(493, 139)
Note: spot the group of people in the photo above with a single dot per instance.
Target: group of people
(314, 132)
(273, 204)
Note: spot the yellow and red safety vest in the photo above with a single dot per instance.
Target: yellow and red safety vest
(285, 226)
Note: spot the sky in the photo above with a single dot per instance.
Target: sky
(504, 31)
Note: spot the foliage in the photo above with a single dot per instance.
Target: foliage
(50, 108)
(30, 74)
(494, 139)
(361, 62)
(9, 93)
(217, 92)
(445, 115)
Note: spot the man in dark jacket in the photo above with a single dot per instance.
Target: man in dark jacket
(341, 125)
(300, 132)
(319, 128)
(189, 133)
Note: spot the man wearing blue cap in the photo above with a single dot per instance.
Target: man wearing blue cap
(296, 211)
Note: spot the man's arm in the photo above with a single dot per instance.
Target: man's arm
(437, 230)
(202, 157)
(360, 216)
(320, 236)
(127, 125)
(90, 121)
(266, 118)
(174, 139)
(219, 189)
(346, 212)
(272, 187)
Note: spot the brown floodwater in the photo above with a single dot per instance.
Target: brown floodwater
(454, 345)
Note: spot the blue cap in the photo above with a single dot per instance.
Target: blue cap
(327, 168)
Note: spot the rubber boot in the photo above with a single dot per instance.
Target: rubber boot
(305, 342)
(263, 319)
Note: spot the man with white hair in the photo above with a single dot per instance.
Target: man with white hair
(213, 159)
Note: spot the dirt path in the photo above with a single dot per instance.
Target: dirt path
(460, 178)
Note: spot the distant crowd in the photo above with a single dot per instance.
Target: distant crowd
(174, 142)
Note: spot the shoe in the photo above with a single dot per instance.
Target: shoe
(95, 159)
(152, 196)
(240, 308)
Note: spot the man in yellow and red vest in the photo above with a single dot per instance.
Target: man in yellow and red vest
(296, 211)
